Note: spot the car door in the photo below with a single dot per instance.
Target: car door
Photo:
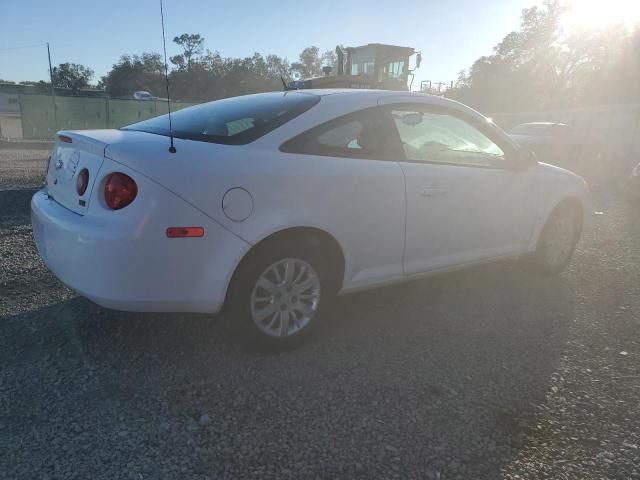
(467, 197)
(347, 165)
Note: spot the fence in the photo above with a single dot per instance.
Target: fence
(39, 122)
(616, 127)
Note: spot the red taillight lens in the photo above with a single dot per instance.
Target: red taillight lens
(119, 190)
(82, 182)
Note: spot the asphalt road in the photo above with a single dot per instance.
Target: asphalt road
(482, 374)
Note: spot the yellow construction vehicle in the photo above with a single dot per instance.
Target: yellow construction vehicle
(374, 65)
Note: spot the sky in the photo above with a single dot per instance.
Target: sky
(450, 35)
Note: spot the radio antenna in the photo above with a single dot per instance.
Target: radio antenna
(172, 148)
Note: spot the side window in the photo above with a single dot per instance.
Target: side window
(356, 135)
(443, 138)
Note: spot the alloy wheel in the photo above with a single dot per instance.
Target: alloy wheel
(559, 241)
(285, 298)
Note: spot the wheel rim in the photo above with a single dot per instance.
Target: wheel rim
(285, 298)
(559, 241)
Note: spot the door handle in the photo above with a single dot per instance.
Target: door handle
(432, 191)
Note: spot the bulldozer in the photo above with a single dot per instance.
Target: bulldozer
(374, 65)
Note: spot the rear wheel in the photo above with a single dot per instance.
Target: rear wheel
(558, 240)
(276, 296)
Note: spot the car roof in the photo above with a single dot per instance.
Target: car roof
(363, 91)
(374, 95)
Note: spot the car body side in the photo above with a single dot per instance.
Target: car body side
(359, 203)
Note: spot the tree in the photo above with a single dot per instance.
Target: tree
(540, 66)
(211, 76)
(277, 67)
(309, 64)
(329, 59)
(72, 76)
(192, 46)
(522, 71)
(199, 76)
(136, 72)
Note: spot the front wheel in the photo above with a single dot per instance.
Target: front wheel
(277, 297)
(557, 241)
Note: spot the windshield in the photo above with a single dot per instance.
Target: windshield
(234, 121)
(530, 129)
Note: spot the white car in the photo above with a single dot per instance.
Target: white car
(142, 95)
(272, 203)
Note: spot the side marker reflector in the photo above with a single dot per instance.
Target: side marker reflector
(183, 232)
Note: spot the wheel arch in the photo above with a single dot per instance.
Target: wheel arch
(572, 202)
(318, 239)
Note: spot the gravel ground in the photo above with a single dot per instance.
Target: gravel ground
(482, 374)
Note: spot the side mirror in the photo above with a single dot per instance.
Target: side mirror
(418, 59)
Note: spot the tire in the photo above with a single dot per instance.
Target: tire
(558, 240)
(276, 295)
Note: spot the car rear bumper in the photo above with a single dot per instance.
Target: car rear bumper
(132, 266)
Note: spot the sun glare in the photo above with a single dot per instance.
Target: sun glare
(589, 14)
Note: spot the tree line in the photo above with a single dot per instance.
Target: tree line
(195, 75)
(198, 74)
(541, 66)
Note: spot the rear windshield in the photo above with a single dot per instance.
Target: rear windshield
(232, 121)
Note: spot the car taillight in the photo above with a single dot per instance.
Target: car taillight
(119, 190)
(82, 182)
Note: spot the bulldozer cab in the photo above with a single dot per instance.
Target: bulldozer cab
(374, 65)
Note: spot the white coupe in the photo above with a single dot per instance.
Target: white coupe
(269, 204)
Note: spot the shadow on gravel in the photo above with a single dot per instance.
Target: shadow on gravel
(15, 207)
(432, 379)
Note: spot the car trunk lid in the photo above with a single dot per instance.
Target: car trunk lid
(72, 153)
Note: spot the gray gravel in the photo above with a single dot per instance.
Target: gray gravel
(482, 374)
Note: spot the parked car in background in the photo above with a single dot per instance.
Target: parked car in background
(563, 145)
(272, 203)
(142, 95)
(555, 142)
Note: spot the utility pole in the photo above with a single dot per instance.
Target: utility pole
(53, 91)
